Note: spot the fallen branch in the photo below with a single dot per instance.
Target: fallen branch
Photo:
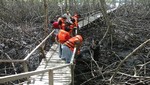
(142, 45)
(133, 76)
(99, 69)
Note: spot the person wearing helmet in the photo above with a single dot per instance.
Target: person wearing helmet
(68, 47)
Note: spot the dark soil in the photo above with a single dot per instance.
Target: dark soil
(131, 27)
(16, 42)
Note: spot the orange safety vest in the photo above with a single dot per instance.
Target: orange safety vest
(76, 21)
(71, 43)
(62, 25)
(71, 27)
(63, 36)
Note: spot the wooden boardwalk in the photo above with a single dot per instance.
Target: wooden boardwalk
(61, 76)
(92, 17)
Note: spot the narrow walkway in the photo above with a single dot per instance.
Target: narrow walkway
(92, 17)
(62, 76)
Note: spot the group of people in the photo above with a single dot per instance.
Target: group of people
(66, 34)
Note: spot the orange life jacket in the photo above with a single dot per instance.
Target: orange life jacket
(76, 21)
(71, 42)
(62, 25)
(63, 36)
(61, 19)
(71, 28)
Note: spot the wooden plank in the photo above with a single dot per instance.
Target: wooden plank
(11, 61)
(51, 78)
(52, 61)
(92, 17)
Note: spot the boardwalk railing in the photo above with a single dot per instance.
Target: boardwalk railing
(50, 72)
(90, 17)
(31, 73)
(24, 61)
(27, 74)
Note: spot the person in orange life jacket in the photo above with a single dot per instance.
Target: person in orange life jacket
(69, 25)
(61, 22)
(68, 47)
(72, 30)
(62, 37)
(76, 17)
(73, 26)
(74, 20)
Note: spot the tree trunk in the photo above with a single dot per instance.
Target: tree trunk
(66, 6)
(46, 17)
(46, 23)
(107, 20)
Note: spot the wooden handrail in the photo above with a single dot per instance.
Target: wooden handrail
(73, 55)
(13, 61)
(38, 46)
(28, 74)
(72, 65)
(95, 13)
(23, 60)
(50, 70)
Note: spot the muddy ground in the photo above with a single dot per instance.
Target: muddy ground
(131, 27)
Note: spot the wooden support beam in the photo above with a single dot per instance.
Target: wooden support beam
(51, 80)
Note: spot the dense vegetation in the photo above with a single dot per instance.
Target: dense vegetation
(23, 24)
(129, 31)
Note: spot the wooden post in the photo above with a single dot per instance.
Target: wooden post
(72, 64)
(25, 67)
(51, 77)
(42, 51)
